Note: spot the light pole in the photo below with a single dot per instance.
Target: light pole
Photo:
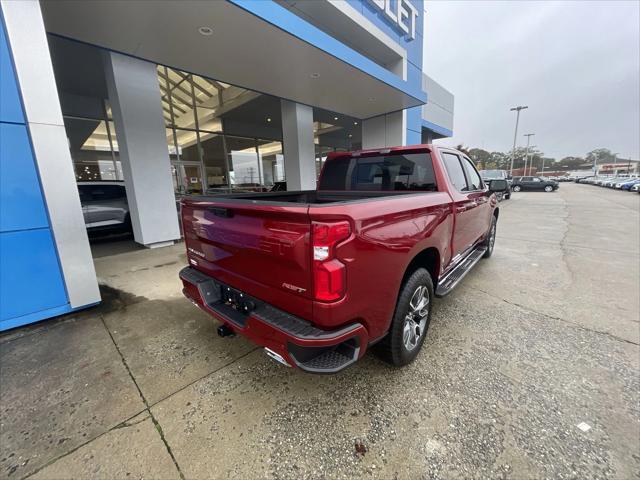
(515, 135)
(526, 154)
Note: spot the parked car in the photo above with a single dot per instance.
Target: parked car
(588, 179)
(629, 182)
(104, 206)
(317, 277)
(635, 188)
(613, 181)
(533, 183)
(488, 175)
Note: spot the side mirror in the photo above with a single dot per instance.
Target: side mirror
(498, 185)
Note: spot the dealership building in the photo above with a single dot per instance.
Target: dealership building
(181, 97)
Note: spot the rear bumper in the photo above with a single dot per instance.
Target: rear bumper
(295, 340)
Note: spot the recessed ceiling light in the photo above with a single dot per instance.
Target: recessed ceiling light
(315, 75)
(268, 119)
(335, 118)
(206, 31)
(350, 135)
(355, 123)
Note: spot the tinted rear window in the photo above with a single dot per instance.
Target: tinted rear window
(411, 172)
(101, 192)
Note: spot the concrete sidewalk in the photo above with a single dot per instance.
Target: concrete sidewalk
(539, 339)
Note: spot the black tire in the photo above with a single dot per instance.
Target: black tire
(393, 348)
(548, 188)
(507, 196)
(126, 225)
(516, 188)
(490, 240)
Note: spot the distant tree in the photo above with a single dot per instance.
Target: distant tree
(499, 161)
(603, 155)
(485, 160)
(571, 163)
(480, 157)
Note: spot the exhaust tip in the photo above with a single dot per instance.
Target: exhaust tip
(276, 356)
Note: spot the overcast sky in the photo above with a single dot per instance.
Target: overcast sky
(575, 64)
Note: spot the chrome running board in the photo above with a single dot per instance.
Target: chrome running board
(451, 279)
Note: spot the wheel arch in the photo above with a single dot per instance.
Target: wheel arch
(429, 259)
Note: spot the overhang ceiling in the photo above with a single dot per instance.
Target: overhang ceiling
(243, 50)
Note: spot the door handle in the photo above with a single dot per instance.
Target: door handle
(466, 206)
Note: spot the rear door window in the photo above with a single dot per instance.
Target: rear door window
(85, 193)
(107, 192)
(473, 178)
(409, 172)
(454, 170)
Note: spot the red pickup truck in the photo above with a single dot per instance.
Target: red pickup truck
(316, 277)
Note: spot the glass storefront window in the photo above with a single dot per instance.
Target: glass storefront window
(272, 159)
(321, 156)
(91, 145)
(192, 178)
(194, 108)
(187, 145)
(246, 173)
(215, 165)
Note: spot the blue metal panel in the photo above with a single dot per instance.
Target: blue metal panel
(296, 26)
(10, 106)
(414, 52)
(413, 137)
(31, 283)
(35, 317)
(414, 119)
(437, 128)
(22, 206)
(31, 279)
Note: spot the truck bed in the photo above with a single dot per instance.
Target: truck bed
(304, 197)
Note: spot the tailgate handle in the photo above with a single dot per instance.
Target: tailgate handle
(221, 212)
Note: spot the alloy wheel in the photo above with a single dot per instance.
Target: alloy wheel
(415, 321)
(492, 236)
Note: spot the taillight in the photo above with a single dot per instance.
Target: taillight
(329, 273)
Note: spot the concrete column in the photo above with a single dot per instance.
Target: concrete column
(299, 150)
(134, 95)
(385, 131)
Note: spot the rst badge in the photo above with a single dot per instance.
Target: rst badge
(294, 288)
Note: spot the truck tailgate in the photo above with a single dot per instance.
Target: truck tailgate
(263, 250)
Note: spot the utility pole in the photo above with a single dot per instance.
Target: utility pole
(515, 135)
(526, 154)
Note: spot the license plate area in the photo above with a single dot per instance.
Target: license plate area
(234, 305)
(237, 300)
